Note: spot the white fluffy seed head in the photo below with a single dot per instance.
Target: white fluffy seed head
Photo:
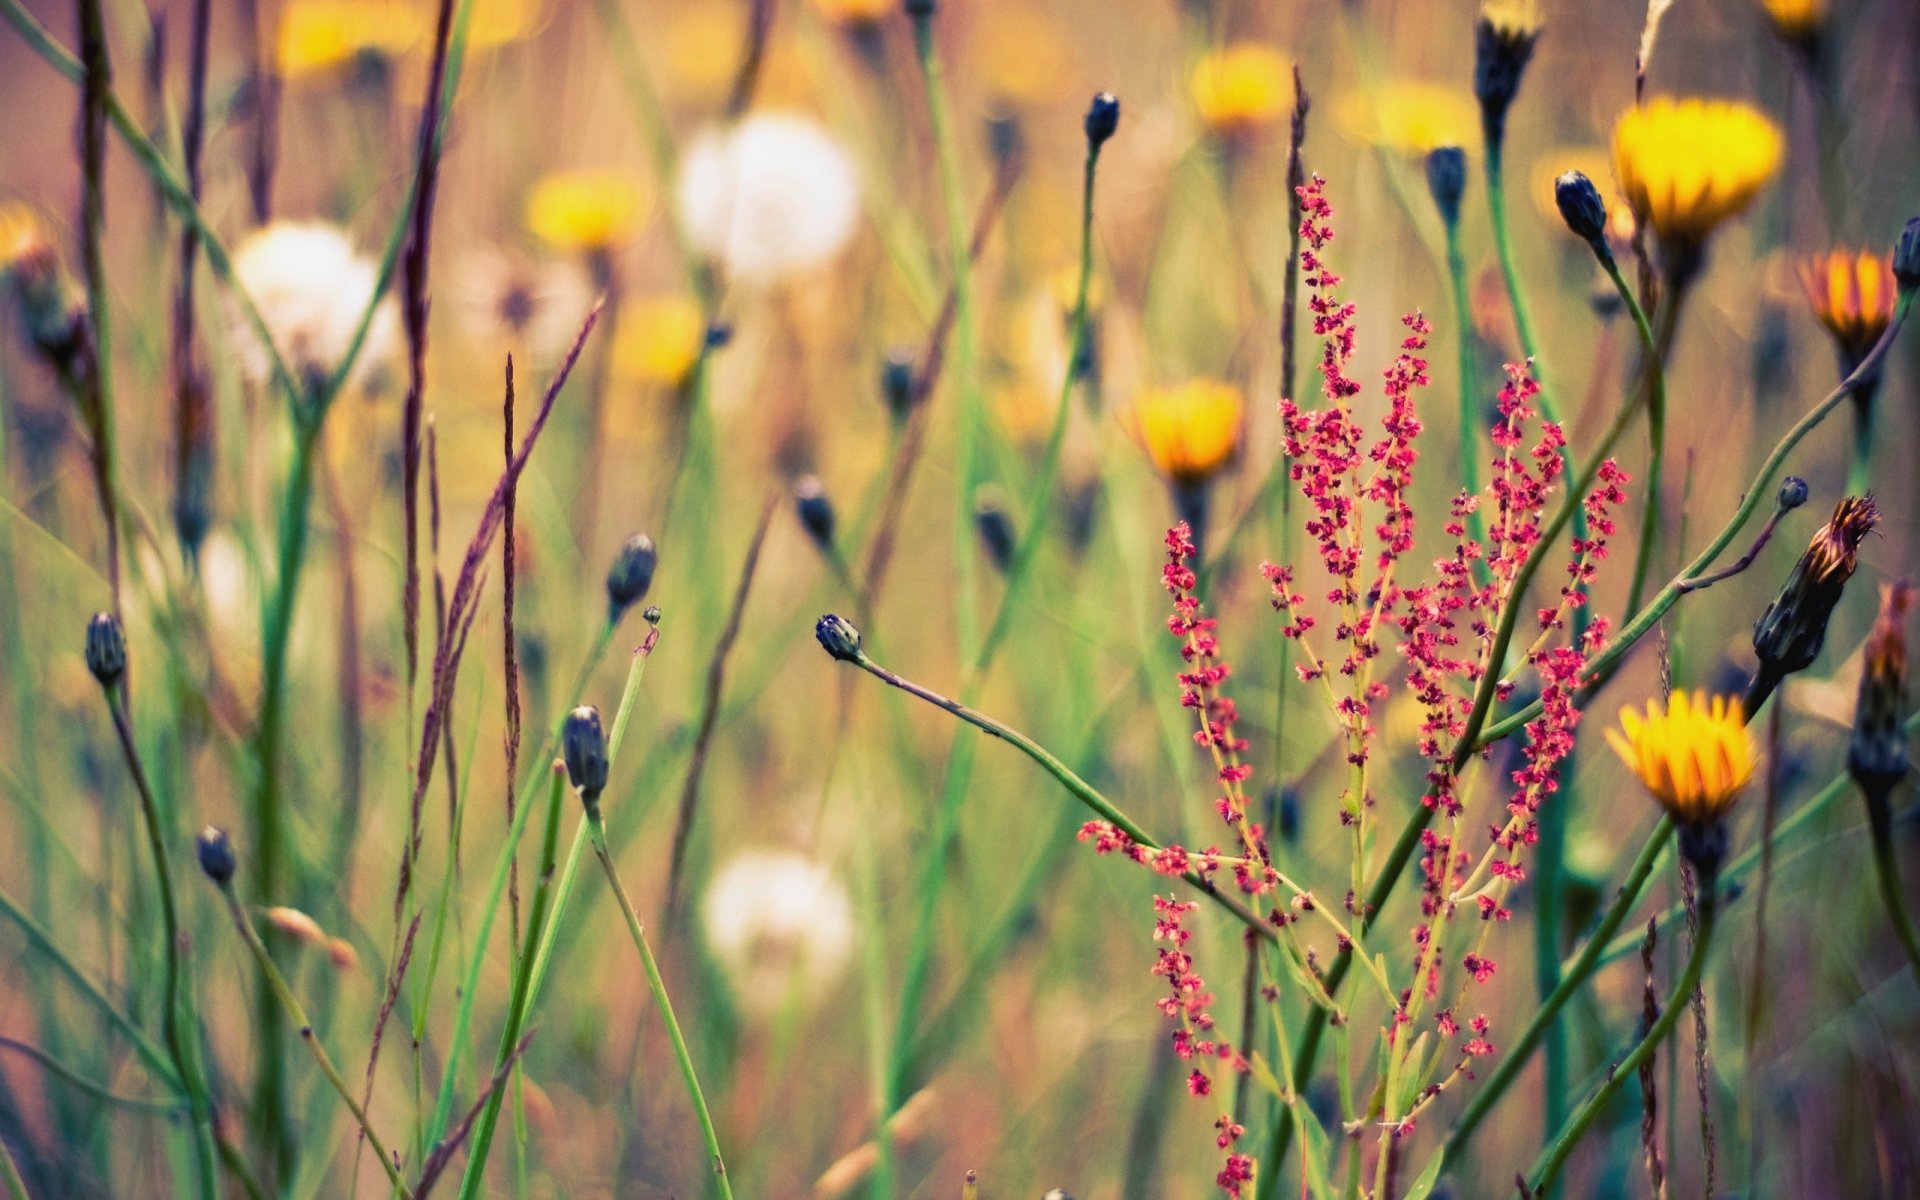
(311, 290)
(780, 926)
(772, 197)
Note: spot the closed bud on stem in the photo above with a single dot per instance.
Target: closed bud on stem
(1906, 256)
(631, 574)
(1583, 209)
(1503, 39)
(1877, 752)
(106, 648)
(1793, 493)
(1789, 634)
(1447, 180)
(815, 511)
(995, 526)
(216, 854)
(896, 385)
(1103, 118)
(838, 637)
(651, 614)
(583, 745)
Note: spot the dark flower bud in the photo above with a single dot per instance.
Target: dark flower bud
(583, 744)
(995, 526)
(1103, 118)
(1877, 753)
(1582, 208)
(631, 574)
(897, 384)
(838, 637)
(1704, 846)
(1789, 634)
(719, 335)
(1287, 817)
(216, 854)
(1447, 180)
(651, 614)
(106, 648)
(1906, 256)
(1502, 46)
(815, 510)
(1005, 138)
(920, 10)
(1793, 493)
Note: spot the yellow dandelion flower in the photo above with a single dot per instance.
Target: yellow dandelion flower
(1695, 757)
(659, 340)
(586, 210)
(1410, 117)
(1242, 87)
(23, 237)
(1688, 165)
(320, 36)
(1797, 21)
(856, 12)
(1190, 432)
(1852, 294)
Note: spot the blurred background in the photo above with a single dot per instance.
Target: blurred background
(754, 300)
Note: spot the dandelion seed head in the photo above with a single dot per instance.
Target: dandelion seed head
(773, 197)
(311, 289)
(780, 925)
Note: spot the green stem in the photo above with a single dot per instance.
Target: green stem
(1889, 875)
(1570, 1134)
(177, 1038)
(597, 832)
(1654, 349)
(277, 985)
(1469, 393)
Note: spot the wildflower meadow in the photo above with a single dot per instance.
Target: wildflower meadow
(983, 598)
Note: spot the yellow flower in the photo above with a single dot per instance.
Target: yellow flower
(856, 12)
(659, 340)
(1241, 87)
(1852, 294)
(318, 36)
(23, 238)
(1191, 431)
(1695, 757)
(586, 210)
(1410, 117)
(1796, 21)
(1688, 165)
(496, 23)
(1512, 19)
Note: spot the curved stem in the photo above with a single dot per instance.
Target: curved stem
(1570, 1134)
(597, 832)
(1654, 349)
(1889, 875)
(277, 985)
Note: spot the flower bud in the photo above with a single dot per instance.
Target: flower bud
(995, 526)
(1582, 208)
(1103, 118)
(216, 855)
(815, 510)
(583, 744)
(1503, 41)
(1906, 256)
(838, 637)
(651, 614)
(106, 648)
(1877, 752)
(1789, 634)
(1704, 846)
(1793, 493)
(920, 10)
(631, 574)
(896, 385)
(1447, 180)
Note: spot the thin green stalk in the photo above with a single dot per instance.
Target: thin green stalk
(277, 983)
(1569, 1135)
(482, 1139)
(178, 998)
(597, 832)
(1654, 348)
(1888, 874)
(1079, 788)
(97, 83)
(1469, 461)
(1860, 466)
(10, 1174)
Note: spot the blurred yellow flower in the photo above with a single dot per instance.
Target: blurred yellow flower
(22, 235)
(1022, 55)
(1512, 18)
(659, 340)
(1694, 758)
(856, 12)
(496, 23)
(1190, 432)
(1688, 165)
(317, 36)
(1410, 117)
(1796, 20)
(1852, 294)
(588, 210)
(1241, 87)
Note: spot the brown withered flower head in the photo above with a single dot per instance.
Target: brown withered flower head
(1877, 753)
(1789, 634)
